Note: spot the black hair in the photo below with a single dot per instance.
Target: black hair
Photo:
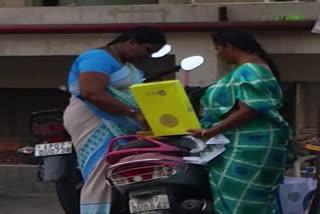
(142, 34)
(244, 41)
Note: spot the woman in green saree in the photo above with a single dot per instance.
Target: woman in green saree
(244, 106)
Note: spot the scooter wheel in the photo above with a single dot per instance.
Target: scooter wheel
(193, 205)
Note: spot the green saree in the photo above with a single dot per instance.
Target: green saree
(245, 178)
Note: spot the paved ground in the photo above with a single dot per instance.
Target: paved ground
(21, 193)
(29, 204)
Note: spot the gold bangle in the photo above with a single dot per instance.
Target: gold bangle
(203, 133)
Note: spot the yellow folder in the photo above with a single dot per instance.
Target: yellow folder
(166, 107)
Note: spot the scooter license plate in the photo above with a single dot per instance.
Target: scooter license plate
(156, 202)
(50, 149)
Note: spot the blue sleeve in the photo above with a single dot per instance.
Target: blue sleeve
(96, 61)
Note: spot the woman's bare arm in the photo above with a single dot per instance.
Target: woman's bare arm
(241, 115)
(92, 88)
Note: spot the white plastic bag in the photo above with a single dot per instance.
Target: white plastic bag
(295, 194)
(207, 150)
(218, 140)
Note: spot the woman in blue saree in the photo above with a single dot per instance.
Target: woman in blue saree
(102, 108)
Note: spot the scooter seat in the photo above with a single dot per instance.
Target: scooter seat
(137, 144)
(177, 141)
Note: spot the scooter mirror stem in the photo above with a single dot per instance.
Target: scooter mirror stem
(156, 76)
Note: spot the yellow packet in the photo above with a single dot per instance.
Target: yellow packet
(166, 107)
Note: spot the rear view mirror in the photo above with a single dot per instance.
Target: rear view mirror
(191, 62)
(162, 52)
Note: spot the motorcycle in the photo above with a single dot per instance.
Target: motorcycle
(56, 158)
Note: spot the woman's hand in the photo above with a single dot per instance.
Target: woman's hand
(198, 133)
(138, 116)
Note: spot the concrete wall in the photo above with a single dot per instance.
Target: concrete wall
(306, 67)
(184, 44)
(154, 13)
(311, 105)
(12, 3)
(305, 72)
(23, 3)
(34, 71)
(205, 1)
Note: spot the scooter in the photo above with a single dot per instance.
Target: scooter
(150, 176)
